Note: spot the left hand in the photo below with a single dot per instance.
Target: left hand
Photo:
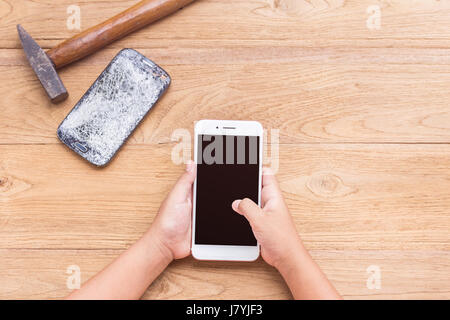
(171, 228)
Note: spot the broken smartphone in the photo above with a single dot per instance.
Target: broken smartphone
(113, 106)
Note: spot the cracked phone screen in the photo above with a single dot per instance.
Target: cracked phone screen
(113, 106)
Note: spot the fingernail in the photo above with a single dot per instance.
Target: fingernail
(189, 166)
(235, 204)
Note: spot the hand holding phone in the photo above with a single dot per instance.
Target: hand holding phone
(280, 243)
(172, 225)
(272, 224)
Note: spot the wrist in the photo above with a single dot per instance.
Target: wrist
(292, 260)
(156, 248)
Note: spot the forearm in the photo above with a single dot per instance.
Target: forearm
(130, 274)
(305, 279)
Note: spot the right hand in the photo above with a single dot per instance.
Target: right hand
(272, 224)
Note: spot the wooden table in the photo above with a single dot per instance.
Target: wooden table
(364, 143)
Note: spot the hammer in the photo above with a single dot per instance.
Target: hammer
(45, 64)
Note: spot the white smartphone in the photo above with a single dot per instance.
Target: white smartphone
(228, 155)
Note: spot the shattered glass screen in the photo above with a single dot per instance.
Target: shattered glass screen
(114, 105)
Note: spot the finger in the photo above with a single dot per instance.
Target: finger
(183, 187)
(269, 178)
(270, 187)
(248, 209)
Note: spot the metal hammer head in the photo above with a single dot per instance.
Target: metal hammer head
(43, 67)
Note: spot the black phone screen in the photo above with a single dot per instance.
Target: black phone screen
(227, 170)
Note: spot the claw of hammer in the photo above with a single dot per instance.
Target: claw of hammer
(43, 67)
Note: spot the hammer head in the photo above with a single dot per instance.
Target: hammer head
(43, 67)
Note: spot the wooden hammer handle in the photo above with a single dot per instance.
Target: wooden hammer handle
(132, 19)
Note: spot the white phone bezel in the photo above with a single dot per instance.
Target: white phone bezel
(223, 127)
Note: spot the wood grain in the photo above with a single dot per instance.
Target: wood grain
(364, 143)
(336, 102)
(405, 275)
(315, 22)
(341, 196)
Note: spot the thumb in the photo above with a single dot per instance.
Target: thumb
(183, 187)
(248, 209)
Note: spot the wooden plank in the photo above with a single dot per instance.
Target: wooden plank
(364, 143)
(185, 278)
(421, 23)
(404, 275)
(347, 99)
(390, 197)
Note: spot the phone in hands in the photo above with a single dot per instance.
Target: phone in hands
(228, 155)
